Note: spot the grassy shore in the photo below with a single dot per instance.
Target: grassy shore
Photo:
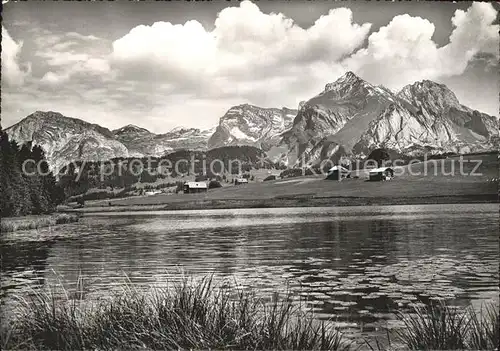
(427, 184)
(201, 315)
(442, 327)
(296, 201)
(187, 316)
(12, 224)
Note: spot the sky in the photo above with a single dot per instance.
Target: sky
(161, 65)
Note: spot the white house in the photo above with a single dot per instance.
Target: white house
(381, 173)
(195, 187)
(241, 181)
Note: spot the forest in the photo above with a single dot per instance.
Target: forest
(29, 191)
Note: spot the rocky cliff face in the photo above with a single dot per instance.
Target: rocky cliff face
(67, 139)
(352, 117)
(251, 125)
(141, 142)
(342, 109)
(429, 116)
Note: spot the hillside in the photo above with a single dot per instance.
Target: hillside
(426, 183)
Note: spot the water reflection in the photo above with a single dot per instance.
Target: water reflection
(356, 263)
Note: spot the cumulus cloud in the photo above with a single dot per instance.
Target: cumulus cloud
(164, 72)
(474, 32)
(263, 39)
(403, 51)
(13, 73)
(164, 50)
(244, 44)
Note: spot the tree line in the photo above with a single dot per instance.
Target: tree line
(121, 173)
(30, 192)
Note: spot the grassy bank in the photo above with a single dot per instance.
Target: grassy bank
(202, 315)
(442, 327)
(188, 316)
(426, 184)
(11, 224)
(293, 201)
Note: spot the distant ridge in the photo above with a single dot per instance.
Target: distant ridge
(350, 117)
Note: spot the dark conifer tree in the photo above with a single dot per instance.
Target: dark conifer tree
(26, 185)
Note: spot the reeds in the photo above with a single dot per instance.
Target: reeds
(485, 328)
(442, 327)
(35, 222)
(202, 315)
(185, 316)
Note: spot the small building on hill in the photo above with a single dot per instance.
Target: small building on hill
(241, 181)
(338, 173)
(195, 187)
(381, 173)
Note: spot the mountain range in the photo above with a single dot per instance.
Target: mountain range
(141, 142)
(350, 117)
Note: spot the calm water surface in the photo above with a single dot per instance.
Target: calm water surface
(353, 263)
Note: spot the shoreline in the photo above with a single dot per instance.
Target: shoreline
(293, 201)
(13, 224)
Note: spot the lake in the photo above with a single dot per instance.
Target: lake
(354, 264)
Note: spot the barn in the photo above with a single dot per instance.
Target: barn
(382, 173)
(195, 187)
(337, 173)
(241, 181)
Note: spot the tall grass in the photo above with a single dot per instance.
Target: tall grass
(34, 222)
(484, 333)
(202, 315)
(185, 316)
(441, 327)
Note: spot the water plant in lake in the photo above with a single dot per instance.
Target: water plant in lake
(183, 316)
(13, 224)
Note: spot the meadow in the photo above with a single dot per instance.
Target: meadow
(421, 183)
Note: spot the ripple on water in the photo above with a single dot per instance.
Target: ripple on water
(341, 266)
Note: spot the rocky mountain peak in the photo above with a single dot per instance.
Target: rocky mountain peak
(350, 86)
(46, 114)
(438, 95)
(355, 116)
(348, 79)
(177, 129)
(180, 131)
(65, 139)
(42, 116)
(247, 124)
(131, 128)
